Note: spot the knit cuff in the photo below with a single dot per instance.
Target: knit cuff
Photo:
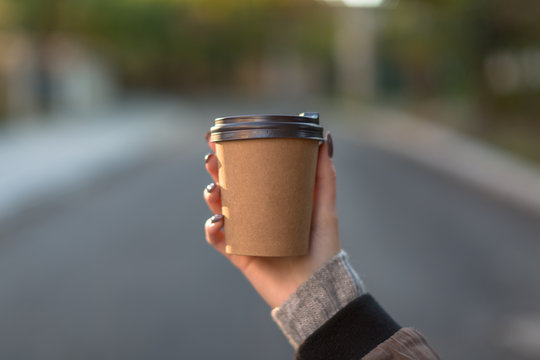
(319, 298)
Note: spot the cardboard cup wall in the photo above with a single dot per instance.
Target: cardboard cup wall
(267, 182)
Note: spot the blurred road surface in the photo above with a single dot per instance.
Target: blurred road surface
(120, 269)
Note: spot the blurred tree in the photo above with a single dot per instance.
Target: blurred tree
(484, 52)
(181, 44)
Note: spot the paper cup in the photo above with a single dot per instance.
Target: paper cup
(267, 166)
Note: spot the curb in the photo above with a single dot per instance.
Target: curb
(479, 164)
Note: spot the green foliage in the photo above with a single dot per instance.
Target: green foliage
(438, 49)
(181, 43)
(435, 44)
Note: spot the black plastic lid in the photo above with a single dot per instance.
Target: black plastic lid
(243, 127)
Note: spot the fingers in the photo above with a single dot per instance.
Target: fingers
(214, 233)
(211, 144)
(216, 237)
(212, 196)
(212, 166)
(210, 160)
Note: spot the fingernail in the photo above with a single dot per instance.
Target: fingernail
(330, 144)
(207, 157)
(207, 136)
(216, 218)
(211, 187)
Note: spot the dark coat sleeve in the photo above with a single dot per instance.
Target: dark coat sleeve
(363, 328)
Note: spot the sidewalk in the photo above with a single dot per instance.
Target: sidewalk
(59, 155)
(476, 163)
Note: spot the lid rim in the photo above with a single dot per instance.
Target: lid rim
(256, 134)
(266, 126)
(266, 117)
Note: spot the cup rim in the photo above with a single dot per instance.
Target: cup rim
(264, 126)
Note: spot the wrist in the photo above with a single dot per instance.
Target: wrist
(316, 300)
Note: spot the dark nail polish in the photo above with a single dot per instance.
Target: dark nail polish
(207, 136)
(211, 187)
(207, 157)
(330, 144)
(216, 218)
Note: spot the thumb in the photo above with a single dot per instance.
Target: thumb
(325, 183)
(324, 227)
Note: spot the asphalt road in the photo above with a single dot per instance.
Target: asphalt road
(121, 270)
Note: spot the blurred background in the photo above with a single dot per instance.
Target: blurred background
(434, 107)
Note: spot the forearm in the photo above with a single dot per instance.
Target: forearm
(331, 316)
(326, 292)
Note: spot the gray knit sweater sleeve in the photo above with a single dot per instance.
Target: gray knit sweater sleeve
(320, 297)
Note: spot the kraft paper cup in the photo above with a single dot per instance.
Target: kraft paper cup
(267, 166)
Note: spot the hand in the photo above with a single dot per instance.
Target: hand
(276, 278)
